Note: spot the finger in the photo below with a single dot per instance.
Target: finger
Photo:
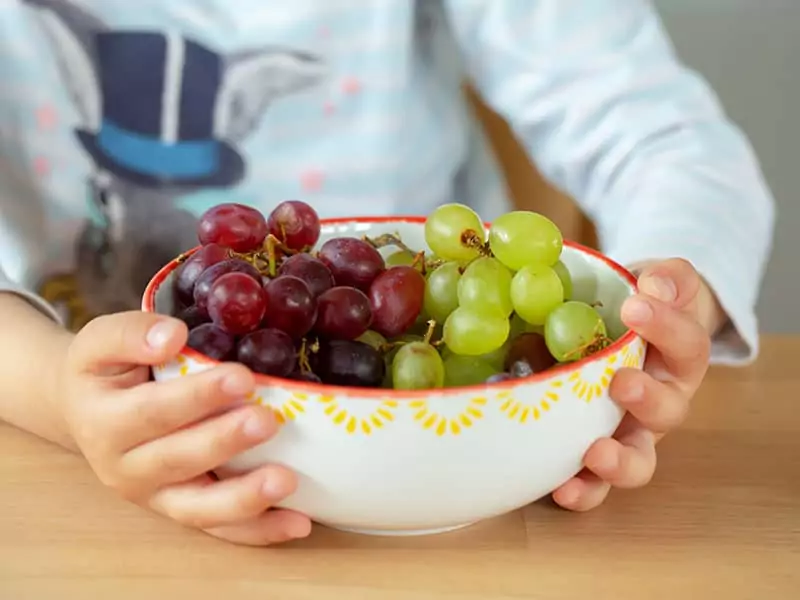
(682, 342)
(156, 409)
(112, 344)
(583, 492)
(198, 449)
(272, 527)
(626, 462)
(674, 282)
(205, 504)
(658, 406)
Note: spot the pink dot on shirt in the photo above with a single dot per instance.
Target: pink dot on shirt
(46, 118)
(351, 85)
(312, 180)
(41, 166)
(324, 31)
(329, 108)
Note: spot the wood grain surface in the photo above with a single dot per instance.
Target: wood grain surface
(721, 519)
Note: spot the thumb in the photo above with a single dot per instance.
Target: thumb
(674, 282)
(112, 344)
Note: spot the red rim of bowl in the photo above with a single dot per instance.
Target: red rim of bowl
(149, 303)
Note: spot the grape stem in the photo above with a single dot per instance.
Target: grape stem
(393, 239)
(597, 343)
(302, 354)
(429, 331)
(471, 239)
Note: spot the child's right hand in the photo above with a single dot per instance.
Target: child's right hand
(155, 443)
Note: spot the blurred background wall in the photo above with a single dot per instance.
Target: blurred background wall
(749, 50)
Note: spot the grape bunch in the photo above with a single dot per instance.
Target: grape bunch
(475, 309)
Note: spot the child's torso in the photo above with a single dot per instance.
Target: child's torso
(122, 121)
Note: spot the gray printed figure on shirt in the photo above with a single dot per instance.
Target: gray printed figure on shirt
(162, 116)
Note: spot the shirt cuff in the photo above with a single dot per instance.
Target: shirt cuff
(36, 301)
(737, 343)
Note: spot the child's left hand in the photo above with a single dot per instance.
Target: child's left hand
(676, 313)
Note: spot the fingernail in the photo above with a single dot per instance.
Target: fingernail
(237, 384)
(635, 392)
(636, 310)
(661, 288)
(272, 488)
(160, 334)
(255, 427)
(299, 529)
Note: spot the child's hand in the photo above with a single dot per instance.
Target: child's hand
(154, 443)
(676, 313)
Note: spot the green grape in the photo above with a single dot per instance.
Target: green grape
(573, 331)
(401, 258)
(466, 370)
(497, 358)
(471, 333)
(441, 292)
(519, 326)
(521, 238)
(566, 278)
(535, 291)
(372, 338)
(448, 230)
(417, 366)
(485, 287)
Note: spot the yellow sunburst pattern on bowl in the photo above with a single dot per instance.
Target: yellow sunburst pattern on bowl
(444, 424)
(631, 358)
(354, 423)
(587, 389)
(526, 412)
(289, 410)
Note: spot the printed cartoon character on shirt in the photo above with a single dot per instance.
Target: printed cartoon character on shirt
(163, 116)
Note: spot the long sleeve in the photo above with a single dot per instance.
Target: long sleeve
(607, 112)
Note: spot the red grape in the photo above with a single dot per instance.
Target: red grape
(207, 278)
(292, 307)
(237, 303)
(294, 223)
(345, 362)
(212, 341)
(192, 316)
(396, 298)
(186, 275)
(531, 348)
(353, 262)
(267, 351)
(305, 376)
(313, 271)
(343, 313)
(236, 226)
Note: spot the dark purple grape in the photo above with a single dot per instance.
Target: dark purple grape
(212, 341)
(267, 351)
(291, 306)
(349, 363)
(305, 376)
(499, 377)
(343, 313)
(186, 275)
(396, 298)
(236, 226)
(233, 265)
(521, 369)
(353, 262)
(192, 316)
(313, 271)
(531, 348)
(237, 303)
(295, 224)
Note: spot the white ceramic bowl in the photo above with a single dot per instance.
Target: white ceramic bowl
(395, 463)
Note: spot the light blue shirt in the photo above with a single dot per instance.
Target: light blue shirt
(121, 121)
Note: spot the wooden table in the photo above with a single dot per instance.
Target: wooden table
(721, 519)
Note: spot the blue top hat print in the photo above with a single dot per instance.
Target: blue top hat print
(159, 95)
